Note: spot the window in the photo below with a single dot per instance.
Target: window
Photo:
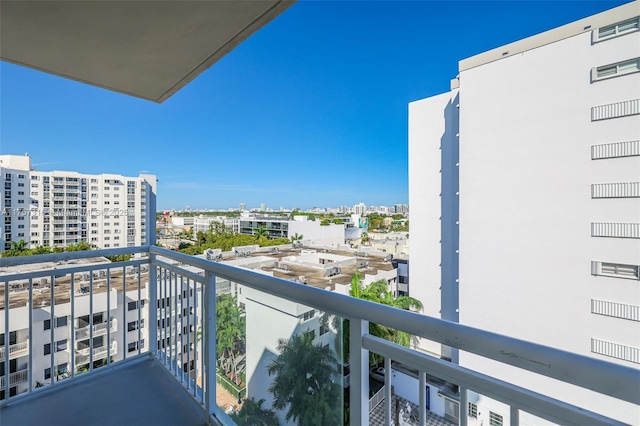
(308, 315)
(615, 270)
(617, 29)
(47, 348)
(47, 325)
(613, 70)
(47, 373)
(473, 410)
(61, 322)
(495, 419)
(61, 345)
(133, 346)
(134, 325)
(134, 305)
(324, 330)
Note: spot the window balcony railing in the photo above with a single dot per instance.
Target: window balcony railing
(98, 329)
(15, 378)
(86, 355)
(15, 351)
(272, 316)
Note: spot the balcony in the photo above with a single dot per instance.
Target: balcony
(85, 355)
(98, 329)
(15, 378)
(192, 386)
(15, 351)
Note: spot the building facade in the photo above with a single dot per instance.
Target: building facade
(59, 208)
(526, 181)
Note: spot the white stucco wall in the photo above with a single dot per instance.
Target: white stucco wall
(526, 209)
(428, 132)
(316, 234)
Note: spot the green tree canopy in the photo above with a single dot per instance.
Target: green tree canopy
(303, 381)
(377, 292)
(252, 414)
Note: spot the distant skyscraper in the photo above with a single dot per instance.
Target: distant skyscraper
(262, 207)
(360, 208)
(243, 207)
(401, 208)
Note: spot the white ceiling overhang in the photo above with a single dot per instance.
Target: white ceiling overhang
(147, 49)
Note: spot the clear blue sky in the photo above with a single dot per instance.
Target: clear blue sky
(309, 111)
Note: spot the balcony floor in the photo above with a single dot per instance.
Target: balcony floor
(140, 393)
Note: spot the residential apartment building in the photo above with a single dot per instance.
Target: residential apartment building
(360, 208)
(279, 227)
(58, 208)
(525, 179)
(203, 223)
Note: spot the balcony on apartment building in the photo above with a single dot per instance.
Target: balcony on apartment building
(172, 296)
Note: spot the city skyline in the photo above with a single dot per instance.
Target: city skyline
(268, 208)
(310, 111)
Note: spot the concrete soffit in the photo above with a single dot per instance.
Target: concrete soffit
(147, 49)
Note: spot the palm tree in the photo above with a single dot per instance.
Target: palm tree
(20, 245)
(230, 338)
(377, 292)
(303, 381)
(252, 414)
(364, 237)
(296, 237)
(261, 231)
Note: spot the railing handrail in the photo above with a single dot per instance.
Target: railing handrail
(20, 346)
(604, 377)
(600, 376)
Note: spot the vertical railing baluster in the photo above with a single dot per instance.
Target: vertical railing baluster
(203, 339)
(422, 382)
(163, 313)
(91, 322)
(73, 326)
(464, 406)
(181, 334)
(515, 416)
(152, 289)
(30, 344)
(108, 316)
(209, 358)
(172, 320)
(52, 330)
(125, 308)
(196, 342)
(7, 339)
(387, 391)
(359, 370)
(139, 310)
(188, 333)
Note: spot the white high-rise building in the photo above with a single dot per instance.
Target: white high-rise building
(524, 182)
(360, 208)
(59, 208)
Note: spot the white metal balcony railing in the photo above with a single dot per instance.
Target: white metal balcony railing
(168, 277)
(15, 378)
(87, 354)
(15, 351)
(98, 329)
